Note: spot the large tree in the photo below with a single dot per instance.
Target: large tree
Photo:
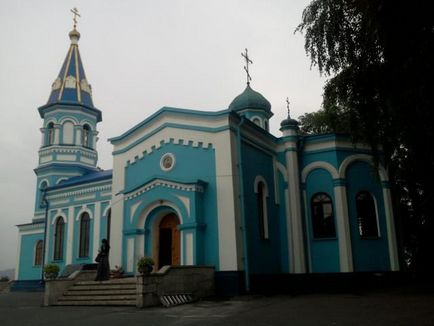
(379, 57)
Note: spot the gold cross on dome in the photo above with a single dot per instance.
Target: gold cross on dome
(246, 67)
(75, 12)
(287, 105)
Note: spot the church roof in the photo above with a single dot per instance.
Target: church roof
(250, 99)
(83, 179)
(71, 86)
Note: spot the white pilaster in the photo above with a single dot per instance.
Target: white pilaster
(96, 228)
(78, 135)
(94, 138)
(70, 236)
(391, 233)
(57, 133)
(343, 228)
(295, 212)
(42, 136)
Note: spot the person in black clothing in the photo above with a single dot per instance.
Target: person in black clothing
(103, 269)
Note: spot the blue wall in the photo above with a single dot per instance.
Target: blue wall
(324, 253)
(368, 254)
(264, 254)
(27, 257)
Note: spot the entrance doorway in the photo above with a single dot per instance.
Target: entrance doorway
(169, 241)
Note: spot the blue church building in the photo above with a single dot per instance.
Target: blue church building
(192, 187)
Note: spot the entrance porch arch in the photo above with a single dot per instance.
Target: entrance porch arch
(162, 239)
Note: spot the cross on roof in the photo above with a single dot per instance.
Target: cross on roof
(75, 12)
(287, 105)
(246, 67)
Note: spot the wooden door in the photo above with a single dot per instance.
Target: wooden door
(169, 241)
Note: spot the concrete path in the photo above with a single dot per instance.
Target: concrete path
(391, 307)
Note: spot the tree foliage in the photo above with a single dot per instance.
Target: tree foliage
(379, 57)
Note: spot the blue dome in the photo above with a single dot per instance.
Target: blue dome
(250, 99)
(289, 123)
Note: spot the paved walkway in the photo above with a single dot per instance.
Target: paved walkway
(392, 307)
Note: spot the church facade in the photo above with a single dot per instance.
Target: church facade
(203, 188)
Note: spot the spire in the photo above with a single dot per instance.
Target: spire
(71, 85)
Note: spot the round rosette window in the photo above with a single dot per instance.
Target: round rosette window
(167, 162)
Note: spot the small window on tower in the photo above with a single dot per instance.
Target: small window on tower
(86, 136)
(50, 134)
(257, 121)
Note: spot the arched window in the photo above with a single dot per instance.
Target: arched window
(68, 133)
(38, 252)
(257, 122)
(50, 134)
(84, 235)
(86, 136)
(58, 238)
(366, 215)
(261, 202)
(266, 124)
(323, 222)
(42, 187)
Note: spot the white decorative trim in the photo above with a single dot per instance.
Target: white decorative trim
(260, 178)
(167, 162)
(282, 169)
(186, 201)
(145, 213)
(84, 209)
(43, 180)
(106, 209)
(88, 197)
(56, 84)
(70, 82)
(60, 180)
(364, 158)
(319, 165)
(58, 214)
(261, 122)
(80, 192)
(68, 118)
(84, 122)
(50, 120)
(166, 184)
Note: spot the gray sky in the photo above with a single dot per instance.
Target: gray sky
(139, 56)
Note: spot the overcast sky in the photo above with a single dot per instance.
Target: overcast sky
(139, 56)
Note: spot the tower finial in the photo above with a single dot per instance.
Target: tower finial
(74, 35)
(246, 67)
(75, 12)
(287, 106)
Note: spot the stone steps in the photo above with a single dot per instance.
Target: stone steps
(114, 292)
(75, 292)
(97, 303)
(104, 287)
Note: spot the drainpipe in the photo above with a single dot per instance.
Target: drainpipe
(44, 199)
(243, 217)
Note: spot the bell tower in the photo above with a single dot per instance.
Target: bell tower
(69, 129)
